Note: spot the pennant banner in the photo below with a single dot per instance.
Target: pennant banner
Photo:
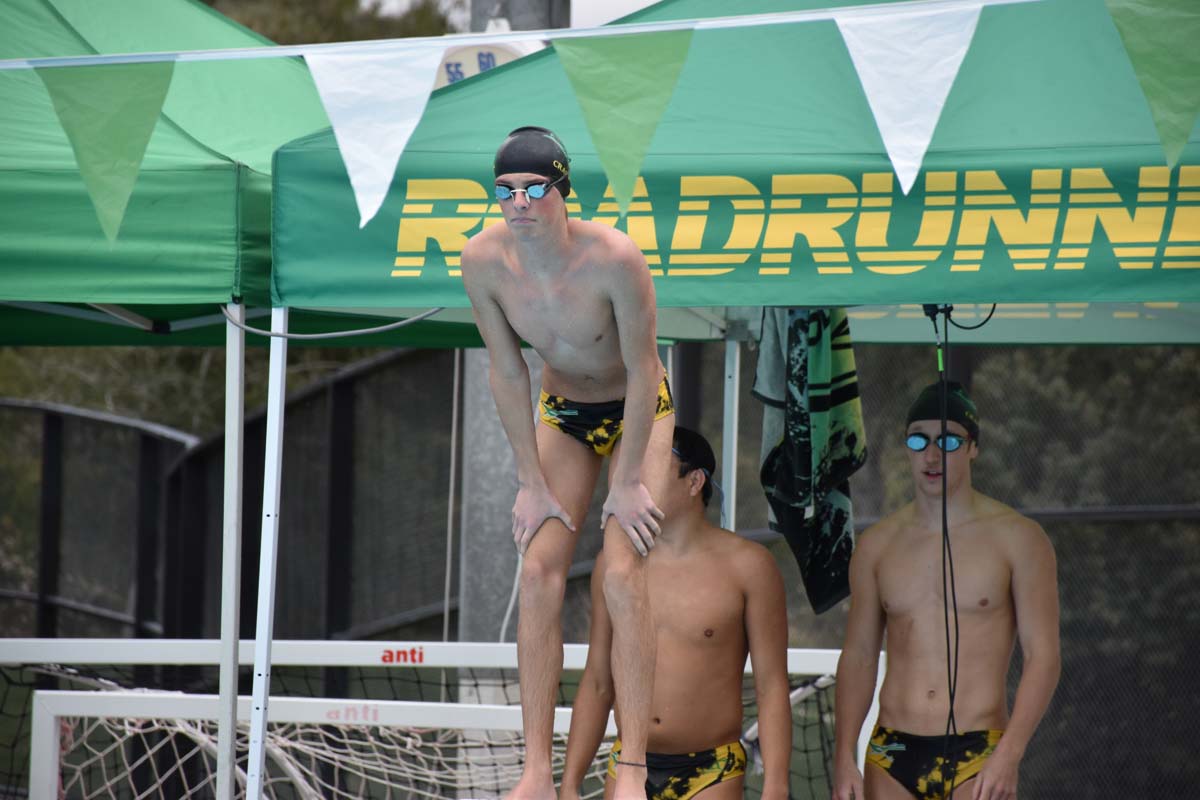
(1162, 38)
(374, 103)
(109, 114)
(907, 62)
(623, 85)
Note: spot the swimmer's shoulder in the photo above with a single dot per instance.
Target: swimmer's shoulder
(485, 250)
(1020, 535)
(1012, 529)
(876, 538)
(750, 561)
(606, 247)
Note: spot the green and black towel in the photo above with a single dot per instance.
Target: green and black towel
(813, 441)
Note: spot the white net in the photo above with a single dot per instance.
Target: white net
(175, 758)
(389, 734)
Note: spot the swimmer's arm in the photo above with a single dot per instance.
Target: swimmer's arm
(507, 372)
(859, 662)
(589, 713)
(634, 310)
(1035, 601)
(767, 634)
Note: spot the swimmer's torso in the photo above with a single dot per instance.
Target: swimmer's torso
(914, 697)
(567, 315)
(698, 602)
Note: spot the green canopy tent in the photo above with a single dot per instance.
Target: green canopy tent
(767, 183)
(79, 266)
(196, 231)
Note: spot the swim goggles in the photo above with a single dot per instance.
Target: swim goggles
(535, 191)
(917, 442)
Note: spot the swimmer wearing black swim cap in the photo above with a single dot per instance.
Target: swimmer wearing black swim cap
(538, 151)
(581, 295)
(1002, 584)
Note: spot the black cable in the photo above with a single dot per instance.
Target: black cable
(973, 327)
(949, 599)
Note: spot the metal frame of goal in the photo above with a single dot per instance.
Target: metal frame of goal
(51, 707)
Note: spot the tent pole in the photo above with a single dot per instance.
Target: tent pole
(729, 434)
(231, 552)
(272, 470)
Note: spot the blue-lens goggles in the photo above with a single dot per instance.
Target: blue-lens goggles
(535, 191)
(917, 442)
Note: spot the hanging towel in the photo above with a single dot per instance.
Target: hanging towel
(813, 441)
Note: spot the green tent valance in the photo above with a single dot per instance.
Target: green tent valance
(767, 182)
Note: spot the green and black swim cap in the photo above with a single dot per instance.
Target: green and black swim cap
(960, 407)
(536, 150)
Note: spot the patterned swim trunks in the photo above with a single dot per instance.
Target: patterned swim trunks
(916, 762)
(596, 425)
(680, 776)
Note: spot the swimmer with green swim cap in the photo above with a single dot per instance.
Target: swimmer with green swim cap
(1005, 588)
(581, 295)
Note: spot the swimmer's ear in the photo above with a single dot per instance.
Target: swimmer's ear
(696, 481)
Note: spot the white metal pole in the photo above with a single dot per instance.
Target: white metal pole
(729, 434)
(272, 470)
(44, 748)
(455, 398)
(231, 553)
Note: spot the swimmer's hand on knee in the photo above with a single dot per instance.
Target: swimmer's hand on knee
(634, 510)
(847, 782)
(535, 505)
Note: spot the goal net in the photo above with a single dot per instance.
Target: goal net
(136, 719)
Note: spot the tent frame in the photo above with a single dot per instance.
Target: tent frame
(231, 551)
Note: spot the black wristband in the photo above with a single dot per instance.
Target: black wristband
(629, 763)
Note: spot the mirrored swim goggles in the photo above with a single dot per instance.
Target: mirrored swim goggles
(917, 442)
(535, 191)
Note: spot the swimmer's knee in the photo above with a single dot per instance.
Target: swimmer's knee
(624, 580)
(539, 576)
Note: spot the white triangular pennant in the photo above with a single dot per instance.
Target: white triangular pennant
(374, 103)
(907, 61)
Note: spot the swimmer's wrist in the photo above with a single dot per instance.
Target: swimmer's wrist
(1008, 746)
(533, 481)
(624, 480)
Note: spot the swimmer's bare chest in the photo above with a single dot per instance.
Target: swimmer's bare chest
(570, 323)
(698, 612)
(911, 589)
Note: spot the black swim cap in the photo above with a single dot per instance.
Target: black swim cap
(536, 150)
(960, 407)
(694, 452)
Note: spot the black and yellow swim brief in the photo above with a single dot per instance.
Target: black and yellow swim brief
(680, 776)
(918, 764)
(596, 425)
